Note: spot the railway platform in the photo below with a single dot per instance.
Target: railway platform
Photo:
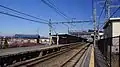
(75, 55)
(100, 60)
(97, 59)
(21, 50)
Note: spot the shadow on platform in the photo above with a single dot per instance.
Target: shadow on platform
(99, 59)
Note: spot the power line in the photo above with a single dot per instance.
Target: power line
(58, 9)
(102, 10)
(111, 15)
(55, 9)
(21, 17)
(100, 16)
(72, 22)
(51, 5)
(22, 13)
(115, 11)
(54, 30)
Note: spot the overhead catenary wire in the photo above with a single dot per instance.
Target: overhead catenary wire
(115, 12)
(58, 9)
(111, 15)
(102, 10)
(79, 21)
(100, 16)
(14, 10)
(51, 5)
(68, 18)
(30, 15)
(54, 30)
(55, 9)
(26, 19)
(22, 17)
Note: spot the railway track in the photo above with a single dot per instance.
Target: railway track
(72, 61)
(36, 61)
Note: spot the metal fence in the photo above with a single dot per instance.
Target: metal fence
(110, 49)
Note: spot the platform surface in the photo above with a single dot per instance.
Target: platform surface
(99, 58)
(10, 51)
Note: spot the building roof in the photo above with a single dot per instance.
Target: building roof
(110, 20)
(42, 37)
(118, 18)
(63, 35)
(68, 35)
(1, 36)
(100, 31)
(81, 33)
(27, 36)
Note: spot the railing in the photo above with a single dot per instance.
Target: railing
(110, 49)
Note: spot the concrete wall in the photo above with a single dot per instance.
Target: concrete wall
(115, 47)
(116, 29)
(115, 32)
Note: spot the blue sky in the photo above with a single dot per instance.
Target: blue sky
(79, 9)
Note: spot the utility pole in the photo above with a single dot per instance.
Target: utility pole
(67, 28)
(50, 38)
(94, 20)
(107, 14)
(57, 39)
(98, 30)
(37, 31)
(107, 9)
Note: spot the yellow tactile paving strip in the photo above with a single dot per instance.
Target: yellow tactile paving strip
(91, 64)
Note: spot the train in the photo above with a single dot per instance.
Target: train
(67, 38)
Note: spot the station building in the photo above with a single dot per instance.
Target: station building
(112, 33)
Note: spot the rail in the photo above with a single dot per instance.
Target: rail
(36, 61)
(80, 53)
(39, 59)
